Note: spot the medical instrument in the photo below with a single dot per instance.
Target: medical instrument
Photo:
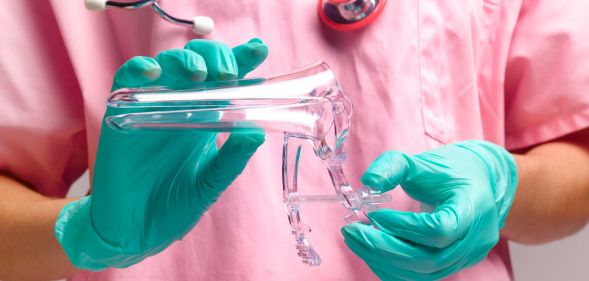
(337, 14)
(349, 14)
(200, 25)
(306, 105)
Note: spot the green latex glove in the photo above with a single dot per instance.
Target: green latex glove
(469, 186)
(149, 189)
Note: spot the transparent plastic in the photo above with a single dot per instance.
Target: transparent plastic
(306, 105)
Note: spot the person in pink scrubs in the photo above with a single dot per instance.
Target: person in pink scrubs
(424, 75)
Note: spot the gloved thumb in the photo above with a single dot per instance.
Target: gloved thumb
(387, 171)
(227, 164)
(249, 56)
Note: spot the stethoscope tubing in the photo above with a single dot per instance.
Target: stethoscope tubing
(340, 20)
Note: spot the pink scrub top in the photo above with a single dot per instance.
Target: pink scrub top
(424, 74)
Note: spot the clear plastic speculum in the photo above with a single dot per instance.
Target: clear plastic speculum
(306, 105)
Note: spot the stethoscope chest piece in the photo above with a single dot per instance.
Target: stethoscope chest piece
(349, 14)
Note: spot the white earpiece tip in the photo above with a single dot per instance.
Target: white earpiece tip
(95, 5)
(203, 25)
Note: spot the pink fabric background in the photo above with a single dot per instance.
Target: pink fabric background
(425, 73)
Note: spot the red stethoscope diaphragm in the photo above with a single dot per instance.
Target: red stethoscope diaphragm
(346, 15)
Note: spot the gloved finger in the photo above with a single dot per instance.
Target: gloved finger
(136, 72)
(376, 247)
(249, 56)
(438, 229)
(387, 171)
(220, 61)
(227, 164)
(181, 66)
(397, 257)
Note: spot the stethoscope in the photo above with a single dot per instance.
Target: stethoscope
(337, 14)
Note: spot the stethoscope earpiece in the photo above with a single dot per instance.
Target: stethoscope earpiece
(200, 25)
(95, 5)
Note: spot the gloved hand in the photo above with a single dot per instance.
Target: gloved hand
(149, 189)
(470, 187)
